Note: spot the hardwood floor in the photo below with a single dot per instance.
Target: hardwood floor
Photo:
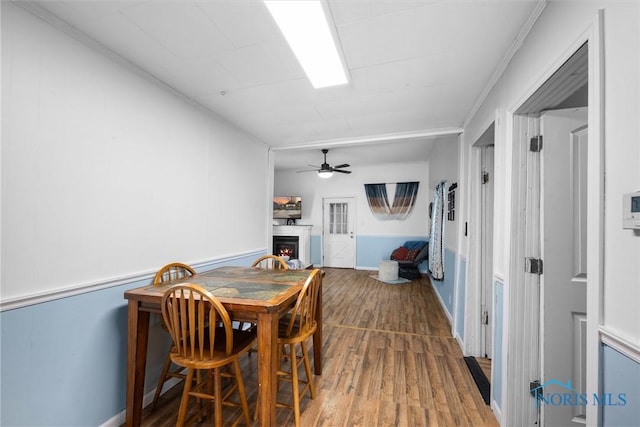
(389, 360)
(485, 365)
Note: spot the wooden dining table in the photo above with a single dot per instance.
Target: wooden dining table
(249, 294)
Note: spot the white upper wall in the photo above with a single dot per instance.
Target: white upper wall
(559, 31)
(313, 189)
(443, 165)
(107, 174)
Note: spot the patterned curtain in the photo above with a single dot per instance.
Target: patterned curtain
(403, 200)
(436, 253)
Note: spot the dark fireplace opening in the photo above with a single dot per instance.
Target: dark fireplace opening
(286, 246)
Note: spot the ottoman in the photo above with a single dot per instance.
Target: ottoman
(388, 270)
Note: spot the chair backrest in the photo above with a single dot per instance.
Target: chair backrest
(191, 314)
(303, 315)
(270, 262)
(173, 271)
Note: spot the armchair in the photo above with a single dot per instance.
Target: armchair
(409, 256)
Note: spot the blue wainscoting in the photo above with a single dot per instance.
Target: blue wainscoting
(620, 376)
(64, 361)
(370, 250)
(496, 371)
(445, 287)
(316, 249)
(460, 297)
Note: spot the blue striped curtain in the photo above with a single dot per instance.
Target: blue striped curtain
(436, 252)
(403, 200)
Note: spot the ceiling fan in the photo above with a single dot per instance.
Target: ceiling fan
(326, 170)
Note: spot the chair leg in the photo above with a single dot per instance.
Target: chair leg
(307, 369)
(294, 383)
(242, 392)
(217, 391)
(200, 377)
(210, 390)
(161, 381)
(184, 401)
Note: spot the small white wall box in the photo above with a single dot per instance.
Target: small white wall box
(631, 210)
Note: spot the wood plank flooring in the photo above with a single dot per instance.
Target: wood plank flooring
(485, 365)
(389, 360)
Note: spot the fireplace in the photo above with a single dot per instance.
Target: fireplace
(286, 246)
(297, 238)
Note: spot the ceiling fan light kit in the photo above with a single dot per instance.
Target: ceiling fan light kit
(326, 170)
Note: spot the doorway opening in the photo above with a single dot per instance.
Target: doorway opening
(548, 305)
(481, 266)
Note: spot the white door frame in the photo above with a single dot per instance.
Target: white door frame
(473, 327)
(514, 407)
(472, 310)
(487, 244)
(521, 348)
(595, 208)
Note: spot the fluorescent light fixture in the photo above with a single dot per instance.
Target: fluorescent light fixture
(305, 26)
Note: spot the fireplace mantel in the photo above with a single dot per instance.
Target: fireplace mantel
(303, 232)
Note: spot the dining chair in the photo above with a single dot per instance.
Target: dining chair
(270, 262)
(173, 271)
(266, 262)
(208, 352)
(296, 328)
(168, 273)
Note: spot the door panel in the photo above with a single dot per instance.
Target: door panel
(338, 233)
(563, 286)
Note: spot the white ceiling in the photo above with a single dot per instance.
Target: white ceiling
(417, 68)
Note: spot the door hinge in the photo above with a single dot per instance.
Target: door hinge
(536, 389)
(485, 177)
(533, 265)
(485, 318)
(536, 144)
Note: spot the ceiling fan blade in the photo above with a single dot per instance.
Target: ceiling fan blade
(325, 167)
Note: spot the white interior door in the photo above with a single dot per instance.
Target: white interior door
(564, 237)
(339, 245)
(486, 279)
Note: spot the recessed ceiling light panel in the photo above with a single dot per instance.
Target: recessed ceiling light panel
(306, 28)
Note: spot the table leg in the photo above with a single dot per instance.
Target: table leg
(317, 336)
(267, 367)
(137, 338)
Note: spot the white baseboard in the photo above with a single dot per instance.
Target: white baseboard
(444, 307)
(460, 342)
(496, 411)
